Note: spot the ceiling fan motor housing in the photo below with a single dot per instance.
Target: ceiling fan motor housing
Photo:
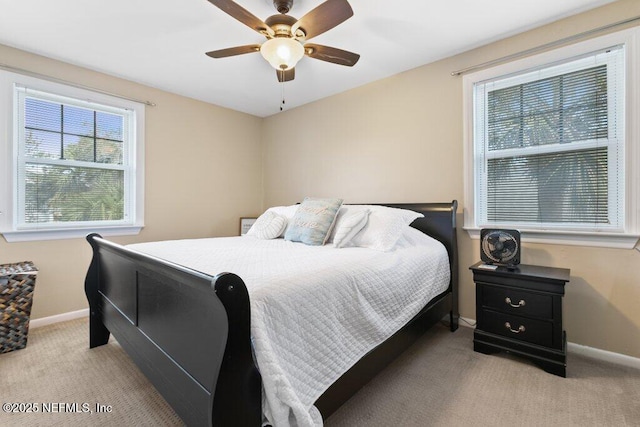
(281, 25)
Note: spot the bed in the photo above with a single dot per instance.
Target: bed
(189, 329)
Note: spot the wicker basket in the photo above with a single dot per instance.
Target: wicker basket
(17, 282)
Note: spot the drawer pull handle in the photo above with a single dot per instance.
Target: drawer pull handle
(519, 304)
(520, 328)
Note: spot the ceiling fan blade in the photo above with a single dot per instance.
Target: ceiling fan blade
(232, 51)
(243, 15)
(323, 18)
(331, 54)
(285, 76)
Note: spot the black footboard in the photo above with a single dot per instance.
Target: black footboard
(188, 332)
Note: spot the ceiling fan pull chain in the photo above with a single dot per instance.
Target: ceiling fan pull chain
(282, 90)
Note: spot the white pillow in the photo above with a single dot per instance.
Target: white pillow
(269, 225)
(344, 212)
(286, 211)
(384, 228)
(348, 225)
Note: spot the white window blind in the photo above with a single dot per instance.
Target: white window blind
(549, 146)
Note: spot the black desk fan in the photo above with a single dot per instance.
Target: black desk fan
(500, 247)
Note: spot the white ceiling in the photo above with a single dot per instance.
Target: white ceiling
(162, 43)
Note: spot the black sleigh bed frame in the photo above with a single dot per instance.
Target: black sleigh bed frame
(189, 332)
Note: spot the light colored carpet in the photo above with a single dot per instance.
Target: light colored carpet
(57, 366)
(440, 381)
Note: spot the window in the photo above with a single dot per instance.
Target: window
(549, 150)
(74, 161)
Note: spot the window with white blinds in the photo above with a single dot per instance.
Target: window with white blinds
(549, 146)
(552, 144)
(71, 163)
(76, 162)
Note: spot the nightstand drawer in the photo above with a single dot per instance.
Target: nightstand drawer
(517, 327)
(513, 301)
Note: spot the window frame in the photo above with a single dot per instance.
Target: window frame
(11, 225)
(627, 236)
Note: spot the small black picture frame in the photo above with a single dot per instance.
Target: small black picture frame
(245, 224)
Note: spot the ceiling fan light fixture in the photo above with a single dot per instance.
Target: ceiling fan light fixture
(283, 53)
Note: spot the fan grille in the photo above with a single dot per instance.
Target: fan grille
(500, 246)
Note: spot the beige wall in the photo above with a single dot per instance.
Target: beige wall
(203, 172)
(400, 140)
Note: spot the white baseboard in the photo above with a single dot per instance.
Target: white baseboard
(466, 322)
(583, 350)
(36, 323)
(604, 355)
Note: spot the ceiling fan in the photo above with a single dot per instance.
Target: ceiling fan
(287, 36)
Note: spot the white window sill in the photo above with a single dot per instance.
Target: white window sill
(574, 238)
(72, 233)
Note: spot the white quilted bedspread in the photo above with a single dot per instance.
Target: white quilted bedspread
(316, 310)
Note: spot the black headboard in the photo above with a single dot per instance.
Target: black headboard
(439, 222)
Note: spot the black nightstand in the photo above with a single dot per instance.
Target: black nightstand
(520, 311)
